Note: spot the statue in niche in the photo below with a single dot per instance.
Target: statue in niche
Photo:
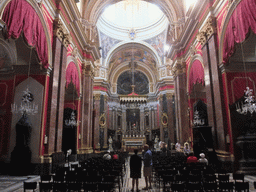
(156, 142)
(110, 142)
(21, 155)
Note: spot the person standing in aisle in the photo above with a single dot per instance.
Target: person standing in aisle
(147, 158)
(135, 169)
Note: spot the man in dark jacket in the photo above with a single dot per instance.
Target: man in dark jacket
(135, 169)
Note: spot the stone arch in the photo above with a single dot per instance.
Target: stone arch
(40, 14)
(73, 59)
(193, 59)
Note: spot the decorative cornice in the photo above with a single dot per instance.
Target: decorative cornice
(207, 31)
(61, 32)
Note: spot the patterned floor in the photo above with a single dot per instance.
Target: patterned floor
(15, 183)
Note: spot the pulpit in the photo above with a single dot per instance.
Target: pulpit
(131, 143)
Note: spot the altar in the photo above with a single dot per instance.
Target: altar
(131, 143)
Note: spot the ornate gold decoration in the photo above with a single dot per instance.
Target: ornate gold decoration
(61, 33)
(207, 31)
(105, 98)
(192, 50)
(97, 97)
(201, 37)
(161, 97)
(132, 34)
(164, 119)
(87, 69)
(169, 95)
(75, 52)
(103, 120)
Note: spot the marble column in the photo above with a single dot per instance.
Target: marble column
(124, 123)
(182, 119)
(171, 117)
(160, 118)
(57, 89)
(142, 119)
(105, 128)
(114, 118)
(96, 136)
(213, 84)
(155, 117)
(87, 109)
(110, 123)
(150, 116)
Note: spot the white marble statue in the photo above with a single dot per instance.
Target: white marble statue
(110, 142)
(156, 143)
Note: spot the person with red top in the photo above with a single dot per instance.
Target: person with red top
(192, 158)
(115, 156)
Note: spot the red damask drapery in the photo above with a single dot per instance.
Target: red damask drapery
(242, 20)
(196, 74)
(72, 75)
(20, 16)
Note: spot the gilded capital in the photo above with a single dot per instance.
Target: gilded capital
(161, 97)
(87, 69)
(201, 37)
(61, 33)
(207, 31)
(181, 67)
(97, 96)
(105, 98)
(169, 96)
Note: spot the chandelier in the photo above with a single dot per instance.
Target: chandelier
(26, 106)
(72, 121)
(197, 121)
(248, 105)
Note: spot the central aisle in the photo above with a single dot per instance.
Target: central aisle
(128, 181)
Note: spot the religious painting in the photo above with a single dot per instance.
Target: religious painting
(124, 83)
(164, 119)
(135, 55)
(158, 44)
(106, 44)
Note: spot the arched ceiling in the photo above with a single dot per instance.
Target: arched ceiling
(119, 47)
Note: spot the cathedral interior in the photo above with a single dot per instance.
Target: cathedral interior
(87, 74)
